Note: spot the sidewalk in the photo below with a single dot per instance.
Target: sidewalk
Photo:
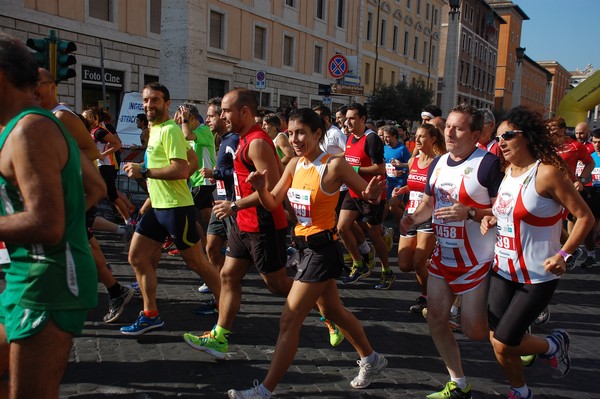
(106, 364)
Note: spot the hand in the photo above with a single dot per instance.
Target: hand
(555, 265)
(372, 193)
(398, 173)
(133, 170)
(258, 180)
(578, 185)
(398, 191)
(222, 209)
(487, 223)
(406, 223)
(453, 213)
(206, 172)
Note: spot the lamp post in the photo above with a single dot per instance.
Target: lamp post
(520, 54)
(450, 64)
(548, 101)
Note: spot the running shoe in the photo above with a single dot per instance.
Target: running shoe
(560, 360)
(571, 265)
(252, 393)
(117, 305)
(514, 394)
(388, 238)
(335, 335)
(208, 343)
(203, 289)
(168, 243)
(142, 325)
(358, 271)
(369, 258)
(452, 391)
(207, 307)
(173, 252)
(589, 262)
(367, 371)
(136, 288)
(542, 317)
(420, 305)
(386, 280)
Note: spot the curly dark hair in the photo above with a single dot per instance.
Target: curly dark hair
(540, 142)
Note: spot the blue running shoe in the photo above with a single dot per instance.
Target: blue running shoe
(142, 325)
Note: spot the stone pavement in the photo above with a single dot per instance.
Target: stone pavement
(106, 364)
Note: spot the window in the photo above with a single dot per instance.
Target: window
(217, 87)
(435, 16)
(217, 27)
(425, 49)
(382, 33)
(464, 42)
(101, 9)
(416, 48)
(288, 51)
(408, 4)
(260, 41)
(369, 26)
(341, 14)
(320, 9)
(318, 60)
(427, 11)
(432, 60)
(367, 73)
(393, 77)
(395, 39)
(418, 7)
(380, 76)
(155, 16)
(291, 3)
(406, 40)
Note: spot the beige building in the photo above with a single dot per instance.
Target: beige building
(476, 53)
(201, 49)
(535, 83)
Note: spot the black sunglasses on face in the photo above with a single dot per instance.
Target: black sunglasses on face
(509, 135)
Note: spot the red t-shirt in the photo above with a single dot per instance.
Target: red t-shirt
(572, 151)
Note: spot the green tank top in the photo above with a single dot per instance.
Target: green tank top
(51, 277)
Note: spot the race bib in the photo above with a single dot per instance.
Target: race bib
(450, 235)
(596, 177)
(300, 201)
(238, 194)
(414, 199)
(505, 239)
(221, 188)
(4, 258)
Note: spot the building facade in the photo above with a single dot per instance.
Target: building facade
(559, 85)
(202, 49)
(535, 83)
(476, 54)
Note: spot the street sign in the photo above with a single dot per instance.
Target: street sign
(261, 80)
(347, 89)
(351, 80)
(338, 66)
(324, 90)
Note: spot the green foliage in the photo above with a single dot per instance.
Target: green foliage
(400, 101)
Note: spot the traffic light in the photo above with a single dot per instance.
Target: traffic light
(64, 60)
(41, 47)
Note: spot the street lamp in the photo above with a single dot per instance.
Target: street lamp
(520, 54)
(454, 7)
(449, 90)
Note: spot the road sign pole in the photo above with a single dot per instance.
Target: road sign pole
(260, 98)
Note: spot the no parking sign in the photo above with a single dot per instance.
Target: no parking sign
(338, 66)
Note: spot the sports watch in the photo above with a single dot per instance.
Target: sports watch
(234, 207)
(144, 172)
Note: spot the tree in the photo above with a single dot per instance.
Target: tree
(400, 101)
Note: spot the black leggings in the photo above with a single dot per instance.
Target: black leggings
(512, 307)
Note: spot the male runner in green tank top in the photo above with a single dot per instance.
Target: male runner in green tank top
(45, 188)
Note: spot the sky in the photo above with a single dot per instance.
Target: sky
(566, 31)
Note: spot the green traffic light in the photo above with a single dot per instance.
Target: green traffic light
(64, 59)
(41, 47)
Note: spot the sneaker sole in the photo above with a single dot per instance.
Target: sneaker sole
(385, 286)
(210, 351)
(122, 307)
(364, 275)
(145, 330)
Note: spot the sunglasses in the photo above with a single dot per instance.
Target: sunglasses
(509, 135)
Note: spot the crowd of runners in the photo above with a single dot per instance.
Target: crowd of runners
(487, 215)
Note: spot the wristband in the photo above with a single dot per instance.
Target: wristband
(356, 168)
(563, 253)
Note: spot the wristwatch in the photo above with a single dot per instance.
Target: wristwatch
(234, 207)
(144, 172)
(567, 257)
(472, 213)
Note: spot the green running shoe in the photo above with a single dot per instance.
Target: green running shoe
(452, 391)
(335, 335)
(208, 343)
